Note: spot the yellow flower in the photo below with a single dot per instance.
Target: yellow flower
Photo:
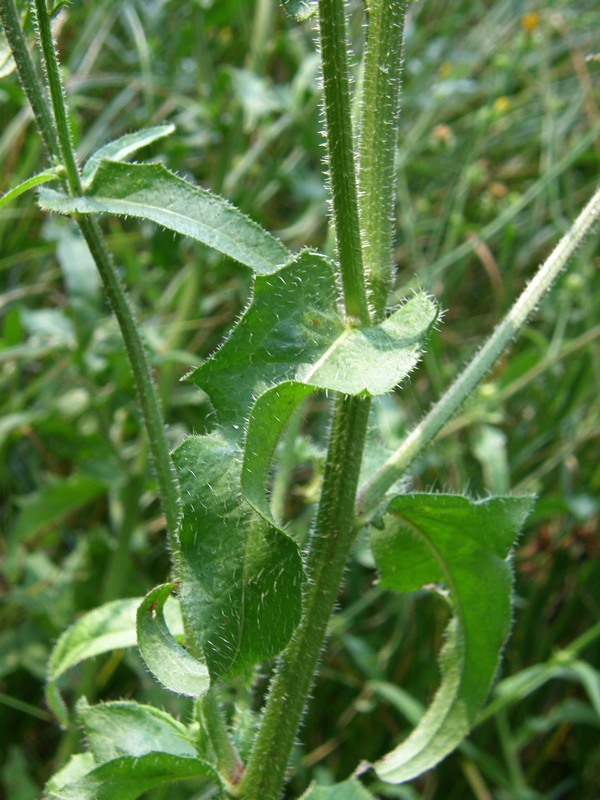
(529, 22)
(502, 104)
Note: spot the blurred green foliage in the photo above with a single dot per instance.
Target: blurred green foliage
(499, 149)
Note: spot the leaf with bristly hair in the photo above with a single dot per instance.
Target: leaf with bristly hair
(464, 545)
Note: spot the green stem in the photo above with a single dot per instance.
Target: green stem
(58, 142)
(340, 155)
(228, 761)
(372, 494)
(57, 94)
(380, 110)
(28, 78)
(329, 550)
(145, 385)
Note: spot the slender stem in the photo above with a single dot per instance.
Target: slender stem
(58, 142)
(380, 110)
(57, 94)
(28, 78)
(371, 495)
(330, 546)
(145, 385)
(340, 154)
(228, 760)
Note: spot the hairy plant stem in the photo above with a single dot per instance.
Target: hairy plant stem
(335, 524)
(328, 554)
(393, 469)
(340, 156)
(57, 96)
(28, 77)
(380, 110)
(56, 135)
(228, 761)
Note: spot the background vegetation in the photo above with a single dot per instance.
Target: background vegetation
(499, 150)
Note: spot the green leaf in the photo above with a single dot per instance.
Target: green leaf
(293, 331)
(124, 728)
(124, 146)
(348, 790)
(291, 341)
(47, 175)
(109, 627)
(49, 507)
(464, 545)
(150, 191)
(300, 10)
(173, 666)
(124, 778)
(241, 579)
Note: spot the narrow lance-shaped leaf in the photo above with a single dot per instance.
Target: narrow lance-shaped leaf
(464, 545)
(168, 661)
(240, 578)
(150, 191)
(51, 174)
(123, 147)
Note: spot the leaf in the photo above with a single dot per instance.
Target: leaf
(291, 341)
(465, 545)
(124, 778)
(49, 507)
(124, 146)
(173, 666)
(47, 175)
(124, 728)
(300, 10)
(150, 191)
(241, 579)
(348, 790)
(292, 330)
(109, 627)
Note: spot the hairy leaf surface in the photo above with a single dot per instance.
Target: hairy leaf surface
(126, 728)
(124, 778)
(293, 340)
(463, 545)
(293, 330)
(240, 578)
(168, 661)
(109, 627)
(150, 191)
